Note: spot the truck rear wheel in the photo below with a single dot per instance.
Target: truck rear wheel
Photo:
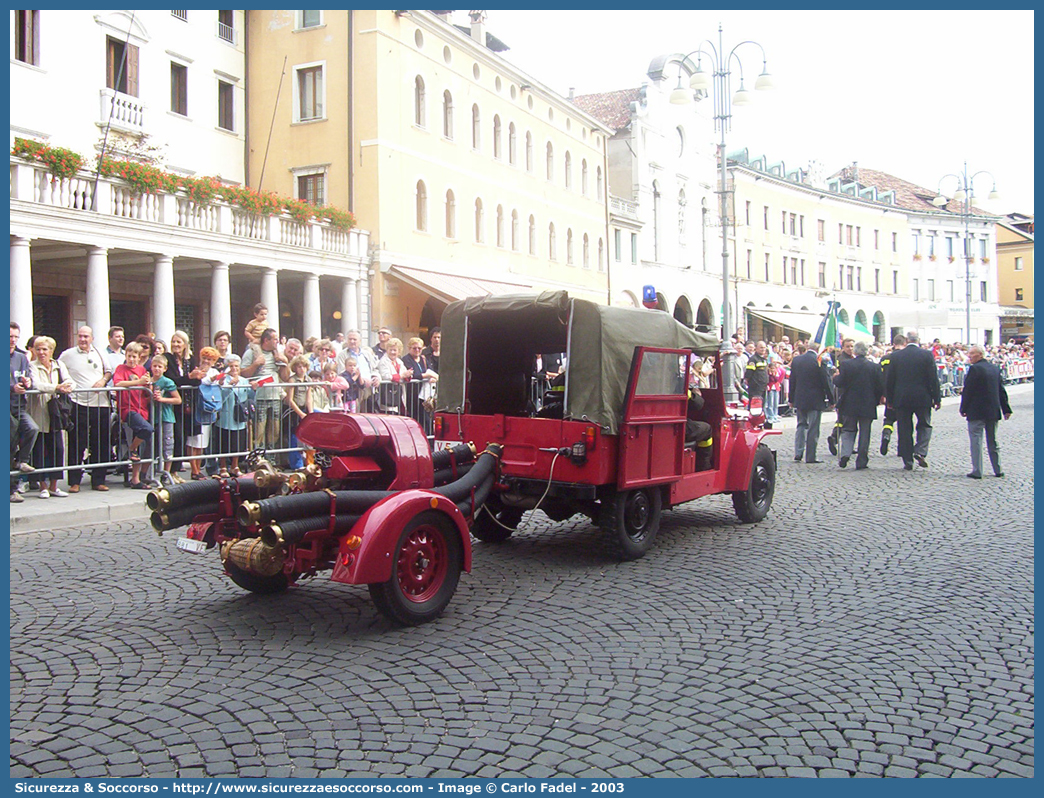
(425, 571)
(753, 503)
(488, 530)
(632, 519)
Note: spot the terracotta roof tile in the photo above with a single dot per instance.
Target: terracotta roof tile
(611, 108)
(907, 195)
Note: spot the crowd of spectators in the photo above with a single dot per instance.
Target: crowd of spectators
(197, 413)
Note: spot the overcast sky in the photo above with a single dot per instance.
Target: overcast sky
(912, 93)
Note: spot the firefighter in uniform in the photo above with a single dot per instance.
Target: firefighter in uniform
(889, 417)
(697, 431)
(847, 352)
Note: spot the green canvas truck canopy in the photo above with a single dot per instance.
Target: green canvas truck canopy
(501, 334)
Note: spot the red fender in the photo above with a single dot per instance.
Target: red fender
(379, 530)
(741, 460)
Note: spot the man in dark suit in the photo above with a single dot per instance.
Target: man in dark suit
(983, 399)
(809, 394)
(860, 389)
(912, 388)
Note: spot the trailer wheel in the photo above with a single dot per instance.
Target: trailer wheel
(425, 571)
(632, 519)
(753, 503)
(487, 530)
(262, 585)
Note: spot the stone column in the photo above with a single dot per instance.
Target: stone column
(312, 324)
(98, 291)
(163, 323)
(349, 305)
(220, 300)
(270, 296)
(22, 288)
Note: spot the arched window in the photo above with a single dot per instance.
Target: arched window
(569, 246)
(447, 114)
(583, 177)
(418, 101)
(587, 252)
(480, 235)
(476, 127)
(514, 231)
(601, 255)
(568, 170)
(552, 244)
(496, 137)
(529, 151)
(512, 144)
(598, 182)
(451, 214)
(422, 206)
(550, 162)
(532, 235)
(500, 225)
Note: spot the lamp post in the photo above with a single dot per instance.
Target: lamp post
(719, 82)
(965, 191)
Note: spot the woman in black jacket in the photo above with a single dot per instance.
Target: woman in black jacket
(179, 368)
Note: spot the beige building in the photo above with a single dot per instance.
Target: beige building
(470, 175)
(1015, 275)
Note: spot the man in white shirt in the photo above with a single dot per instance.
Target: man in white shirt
(261, 365)
(90, 371)
(114, 354)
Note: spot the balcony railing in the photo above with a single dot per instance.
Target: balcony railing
(122, 111)
(113, 198)
(226, 33)
(623, 207)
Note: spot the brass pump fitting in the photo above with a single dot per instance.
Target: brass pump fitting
(158, 499)
(249, 513)
(272, 535)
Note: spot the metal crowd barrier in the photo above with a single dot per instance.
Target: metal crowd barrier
(99, 440)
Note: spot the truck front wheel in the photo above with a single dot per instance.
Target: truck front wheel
(425, 571)
(632, 519)
(753, 504)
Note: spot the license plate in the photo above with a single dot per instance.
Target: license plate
(194, 546)
(440, 445)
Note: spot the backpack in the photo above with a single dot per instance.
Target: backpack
(209, 404)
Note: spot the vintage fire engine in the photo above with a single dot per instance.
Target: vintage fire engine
(377, 507)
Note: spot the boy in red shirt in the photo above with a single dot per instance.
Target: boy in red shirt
(133, 406)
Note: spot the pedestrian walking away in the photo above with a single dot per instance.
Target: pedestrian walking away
(888, 423)
(860, 388)
(809, 394)
(912, 388)
(983, 400)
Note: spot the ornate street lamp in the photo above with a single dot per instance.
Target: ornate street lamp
(719, 82)
(965, 192)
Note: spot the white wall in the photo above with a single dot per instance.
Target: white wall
(60, 100)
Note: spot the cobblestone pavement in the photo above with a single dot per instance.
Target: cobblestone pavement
(878, 623)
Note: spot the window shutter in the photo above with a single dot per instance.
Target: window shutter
(132, 70)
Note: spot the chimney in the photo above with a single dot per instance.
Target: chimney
(478, 26)
(855, 171)
(571, 90)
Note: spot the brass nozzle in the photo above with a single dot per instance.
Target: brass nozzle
(159, 521)
(248, 513)
(272, 535)
(158, 499)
